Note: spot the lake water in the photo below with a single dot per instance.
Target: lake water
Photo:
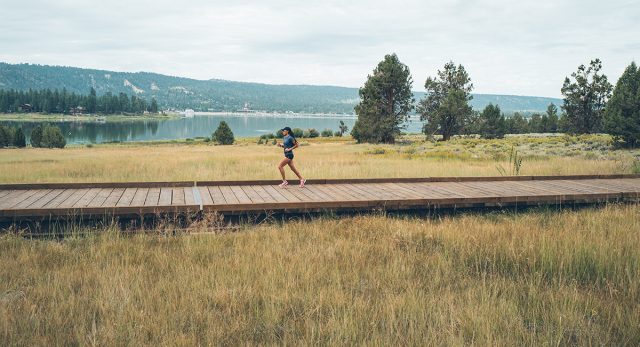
(201, 125)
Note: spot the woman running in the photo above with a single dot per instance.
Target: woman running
(289, 143)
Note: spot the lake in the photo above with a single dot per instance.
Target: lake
(201, 125)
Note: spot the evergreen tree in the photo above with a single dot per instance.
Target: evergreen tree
(622, 114)
(385, 102)
(36, 137)
(535, 123)
(52, 137)
(223, 135)
(517, 124)
(92, 101)
(6, 138)
(492, 122)
(446, 108)
(154, 106)
(552, 119)
(585, 98)
(19, 139)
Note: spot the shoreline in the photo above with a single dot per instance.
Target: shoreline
(39, 117)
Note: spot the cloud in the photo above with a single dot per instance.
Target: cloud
(524, 47)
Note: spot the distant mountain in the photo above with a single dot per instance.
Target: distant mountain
(219, 95)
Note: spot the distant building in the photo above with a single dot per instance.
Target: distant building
(26, 108)
(77, 111)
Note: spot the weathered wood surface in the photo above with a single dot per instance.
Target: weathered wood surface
(23, 201)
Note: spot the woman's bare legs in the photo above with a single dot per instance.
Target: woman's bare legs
(295, 171)
(281, 166)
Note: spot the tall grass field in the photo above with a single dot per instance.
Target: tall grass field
(541, 277)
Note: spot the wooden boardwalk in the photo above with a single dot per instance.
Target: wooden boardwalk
(93, 200)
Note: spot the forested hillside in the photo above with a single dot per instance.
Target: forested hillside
(216, 95)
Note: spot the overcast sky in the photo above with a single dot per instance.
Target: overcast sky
(508, 47)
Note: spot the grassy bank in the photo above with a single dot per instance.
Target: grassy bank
(535, 278)
(317, 158)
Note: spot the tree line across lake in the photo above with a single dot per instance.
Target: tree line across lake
(63, 102)
(590, 105)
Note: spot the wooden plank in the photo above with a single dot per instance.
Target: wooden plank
(264, 194)
(73, 198)
(166, 194)
(16, 197)
(189, 198)
(275, 193)
(127, 197)
(33, 198)
(140, 197)
(114, 197)
(153, 196)
(252, 194)
(228, 194)
(178, 196)
(59, 199)
(339, 192)
(425, 190)
(84, 201)
(205, 196)
(47, 198)
(217, 196)
(286, 192)
(320, 194)
(240, 195)
(4, 193)
(100, 198)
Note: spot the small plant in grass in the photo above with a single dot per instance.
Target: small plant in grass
(515, 164)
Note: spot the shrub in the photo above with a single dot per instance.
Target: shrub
(19, 139)
(6, 136)
(52, 137)
(337, 134)
(297, 132)
(36, 137)
(223, 135)
(327, 133)
(279, 134)
(313, 133)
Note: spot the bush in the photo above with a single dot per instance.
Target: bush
(52, 137)
(327, 133)
(36, 137)
(279, 134)
(337, 134)
(223, 135)
(313, 133)
(297, 132)
(6, 136)
(19, 139)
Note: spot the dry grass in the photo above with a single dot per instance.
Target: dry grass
(321, 158)
(537, 278)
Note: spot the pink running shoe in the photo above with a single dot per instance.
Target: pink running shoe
(283, 184)
(302, 182)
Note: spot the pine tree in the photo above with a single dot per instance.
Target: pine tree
(492, 122)
(585, 98)
(36, 137)
(446, 108)
(223, 135)
(19, 139)
(154, 106)
(622, 114)
(385, 102)
(92, 101)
